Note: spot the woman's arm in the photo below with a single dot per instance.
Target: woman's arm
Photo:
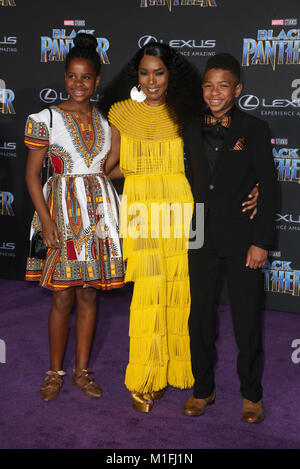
(33, 181)
(251, 204)
(111, 166)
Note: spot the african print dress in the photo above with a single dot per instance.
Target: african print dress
(82, 202)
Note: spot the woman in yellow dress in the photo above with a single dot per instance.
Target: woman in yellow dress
(156, 209)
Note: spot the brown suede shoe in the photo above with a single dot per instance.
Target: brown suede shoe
(195, 407)
(85, 382)
(51, 385)
(252, 412)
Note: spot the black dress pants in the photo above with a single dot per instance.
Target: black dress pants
(245, 288)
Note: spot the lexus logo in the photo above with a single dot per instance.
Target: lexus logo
(249, 102)
(144, 40)
(48, 95)
(288, 218)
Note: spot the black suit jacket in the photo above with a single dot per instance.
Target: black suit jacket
(235, 174)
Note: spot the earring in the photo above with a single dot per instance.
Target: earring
(137, 94)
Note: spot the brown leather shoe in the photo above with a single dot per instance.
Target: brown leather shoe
(252, 412)
(195, 407)
(51, 385)
(84, 381)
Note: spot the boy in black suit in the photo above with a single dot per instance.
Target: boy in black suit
(227, 153)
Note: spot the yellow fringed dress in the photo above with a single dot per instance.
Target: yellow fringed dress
(156, 194)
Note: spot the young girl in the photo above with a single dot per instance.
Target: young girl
(77, 213)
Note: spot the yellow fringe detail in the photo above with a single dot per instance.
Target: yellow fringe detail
(148, 321)
(148, 363)
(159, 319)
(153, 377)
(179, 347)
(157, 188)
(149, 156)
(144, 264)
(177, 267)
(180, 374)
(175, 245)
(164, 247)
(151, 292)
(177, 320)
(146, 244)
(152, 349)
(148, 263)
(155, 290)
(146, 378)
(141, 245)
(178, 293)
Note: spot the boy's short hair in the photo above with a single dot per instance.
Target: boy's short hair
(225, 62)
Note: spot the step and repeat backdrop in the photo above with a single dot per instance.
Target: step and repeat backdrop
(264, 36)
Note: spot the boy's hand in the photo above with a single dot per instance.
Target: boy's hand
(256, 257)
(251, 204)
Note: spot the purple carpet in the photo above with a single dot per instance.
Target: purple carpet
(75, 421)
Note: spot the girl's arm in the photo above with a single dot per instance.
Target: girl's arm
(33, 181)
(112, 168)
(116, 173)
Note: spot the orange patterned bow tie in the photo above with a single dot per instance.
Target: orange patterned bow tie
(225, 121)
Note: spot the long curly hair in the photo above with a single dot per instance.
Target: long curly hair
(184, 94)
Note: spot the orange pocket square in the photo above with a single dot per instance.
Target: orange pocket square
(240, 144)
